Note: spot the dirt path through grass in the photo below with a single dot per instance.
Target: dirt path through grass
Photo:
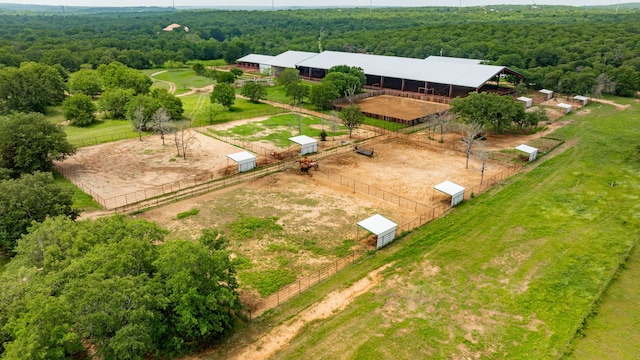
(279, 337)
(172, 86)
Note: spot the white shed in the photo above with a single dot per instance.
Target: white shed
(527, 101)
(246, 160)
(382, 227)
(549, 93)
(308, 144)
(567, 107)
(456, 191)
(533, 152)
(581, 98)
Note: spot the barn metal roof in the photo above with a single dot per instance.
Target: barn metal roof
(241, 156)
(453, 60)
(526, 148)
(377, 224)
(460, 72)
(289, 59)
(525, 99)
(449, 188)
(546, 91)
(256, 58)
(303, 140)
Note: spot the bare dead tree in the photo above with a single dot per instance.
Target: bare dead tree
(183, 137)
(482, 155)
(443, 121)
(470, 133)
(138, 120)
(161, 123)
(351, 94)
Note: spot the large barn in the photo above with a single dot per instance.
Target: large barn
(437, 75)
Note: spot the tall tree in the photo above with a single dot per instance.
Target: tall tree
(161, 123)
(118, 75)
(288, 79)
(138, 120)
(32, 197)
(80, 109)
(223, 94)
(213, 110)
(114, 102)
(488, 109)
(30, 88)
(254, 91)
(322, 96)
(470, 137)
(351, 118)
(30, 142)
(86, 81)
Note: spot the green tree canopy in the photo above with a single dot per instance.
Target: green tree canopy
(288, 79)
(488, 109)
(86, 81)
(32, 197)
(30, 88)
(114, 102)
(30, 143)
(80, 109)
(254, 91)
(322, 96)
(106, 284)
(351, 117)
(223, 94)
(118, 75)
(343, 83)
(354, 71)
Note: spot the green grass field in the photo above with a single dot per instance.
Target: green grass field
(184, 79)
(512, 273)
(81, 200)
(278, 129)
(614, 332)
(242, 109)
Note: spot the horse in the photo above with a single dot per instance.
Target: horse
(275, 154)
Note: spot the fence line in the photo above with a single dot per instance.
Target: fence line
(364, 188)
(304, 283)
(301, 284)
(200, 183)
(80, 185)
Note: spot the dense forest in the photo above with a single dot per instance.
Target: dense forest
(555, 47)
(84, 288)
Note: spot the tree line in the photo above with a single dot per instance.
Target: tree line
(563, 48)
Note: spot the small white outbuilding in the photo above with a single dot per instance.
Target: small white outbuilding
(548, 93)
(527, 101)
(530, 150)
(454, 190)
(567, 107)
(382, 227)
(582, 99)
(246, 160)
(307, 144)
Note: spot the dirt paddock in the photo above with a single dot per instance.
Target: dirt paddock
(123, 167)
(399, 107)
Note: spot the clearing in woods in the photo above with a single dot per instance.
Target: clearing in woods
(314, 216)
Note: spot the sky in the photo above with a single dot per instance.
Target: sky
(310, 3)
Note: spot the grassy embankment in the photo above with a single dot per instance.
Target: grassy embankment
(511, 274)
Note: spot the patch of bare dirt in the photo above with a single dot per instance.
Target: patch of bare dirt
(127, 166)
(280, 336)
